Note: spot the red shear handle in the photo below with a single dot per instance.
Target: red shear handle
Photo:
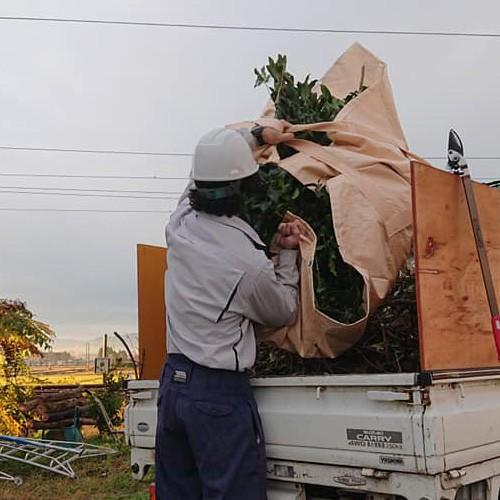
(495, 323)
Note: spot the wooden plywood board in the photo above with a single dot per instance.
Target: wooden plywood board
(454, 317)
(151, 267)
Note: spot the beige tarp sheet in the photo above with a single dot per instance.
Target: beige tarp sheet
(367, 172)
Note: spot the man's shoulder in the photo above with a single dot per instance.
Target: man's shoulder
(238, 243)
(241, 248)
(229, 239)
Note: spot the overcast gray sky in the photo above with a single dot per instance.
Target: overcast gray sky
(157, 89)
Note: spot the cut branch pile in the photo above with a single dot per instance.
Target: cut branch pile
(390, 343)
(55, 408)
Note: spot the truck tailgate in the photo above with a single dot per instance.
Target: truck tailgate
(386, 421)
(356, 420)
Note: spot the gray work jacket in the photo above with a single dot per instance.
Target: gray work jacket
(219, 283)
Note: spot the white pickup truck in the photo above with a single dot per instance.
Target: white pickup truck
(413, 436)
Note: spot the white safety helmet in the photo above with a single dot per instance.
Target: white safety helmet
(223, 155)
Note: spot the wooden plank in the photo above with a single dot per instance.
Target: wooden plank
(151, 268)
(454, 317)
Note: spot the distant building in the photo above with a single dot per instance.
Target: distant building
(52, 358)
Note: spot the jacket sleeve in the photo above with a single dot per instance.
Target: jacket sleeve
(270, 297)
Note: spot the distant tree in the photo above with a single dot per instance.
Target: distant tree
(21, 336)
(57, 356)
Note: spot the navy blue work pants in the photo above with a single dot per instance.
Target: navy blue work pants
(209, 438)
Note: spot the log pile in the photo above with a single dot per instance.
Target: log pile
(55, 408)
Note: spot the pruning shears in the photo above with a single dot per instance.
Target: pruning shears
(458, 165)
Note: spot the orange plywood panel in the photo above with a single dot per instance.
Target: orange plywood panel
(454, 317)
(151, 268)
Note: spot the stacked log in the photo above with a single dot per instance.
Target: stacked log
(56, 408)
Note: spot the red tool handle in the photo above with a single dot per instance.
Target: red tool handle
(495, 323)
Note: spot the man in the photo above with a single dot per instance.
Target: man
(209, 442)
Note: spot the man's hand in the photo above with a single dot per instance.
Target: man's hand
(289, 235)
(271, 135)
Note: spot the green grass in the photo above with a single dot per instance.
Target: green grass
(104, 478)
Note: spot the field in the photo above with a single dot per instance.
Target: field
(106, 478)
(66, 375)
(63, 375)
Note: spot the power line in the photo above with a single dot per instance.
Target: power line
(11, 209)
(94, 151)
(248, 28)
(168, 153)
(70, 176)
(468, 157)
(90, 195)
(90, 190)
(138, 177)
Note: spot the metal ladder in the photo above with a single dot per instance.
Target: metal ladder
(53, 456)
(17, 480)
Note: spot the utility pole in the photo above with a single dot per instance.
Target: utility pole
(105, 346)
(104, 353)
